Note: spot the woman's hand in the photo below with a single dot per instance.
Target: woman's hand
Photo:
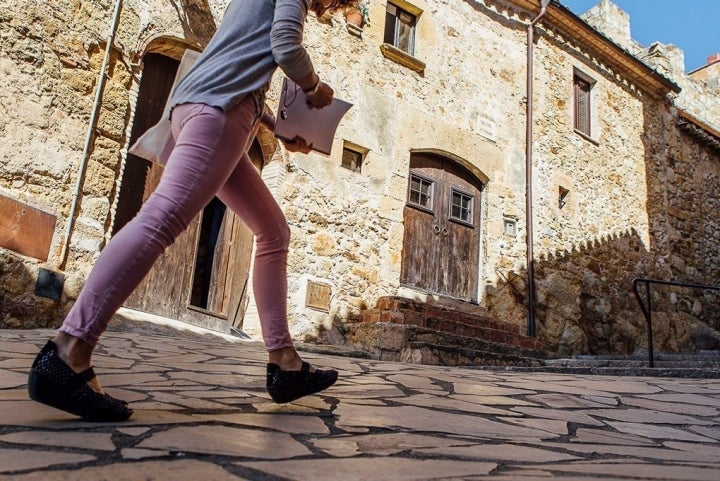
(321, 96)
(298, 144)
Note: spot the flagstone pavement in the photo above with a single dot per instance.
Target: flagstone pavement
(202, 413)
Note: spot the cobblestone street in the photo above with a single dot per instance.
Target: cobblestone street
(202, 412)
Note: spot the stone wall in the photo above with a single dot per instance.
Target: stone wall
(347, 227)
(641, 192)
(587, 252)
(50, 61)
(652, 208)
(50, 56)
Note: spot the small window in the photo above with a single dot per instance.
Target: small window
(562, 196)
(400, 28)
(509, 226)
(352, 159)
(421, 192)
(581, 94)
(461, 207)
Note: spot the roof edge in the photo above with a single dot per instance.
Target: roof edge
(571, 25)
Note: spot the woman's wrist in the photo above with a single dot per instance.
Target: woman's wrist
(313, 90)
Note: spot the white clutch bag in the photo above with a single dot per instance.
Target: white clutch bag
(157, 142)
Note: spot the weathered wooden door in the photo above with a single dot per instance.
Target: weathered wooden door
(442, 228)
(201, 278)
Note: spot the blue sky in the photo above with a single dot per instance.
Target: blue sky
(692, 25)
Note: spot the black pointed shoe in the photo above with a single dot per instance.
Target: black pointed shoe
(287, 386)
(52, 382)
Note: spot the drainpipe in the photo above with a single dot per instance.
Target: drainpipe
(90, 135)
(528, 172)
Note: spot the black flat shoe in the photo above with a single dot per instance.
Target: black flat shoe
(287, 386)
(52, 382)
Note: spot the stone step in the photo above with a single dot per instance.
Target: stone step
(630, 363)
(643, 356)
(332, 350)
(410, 343)
(707, 359)
(469, 314)
(461, 329)
(696, 373)
(472, 321)
(443, 355)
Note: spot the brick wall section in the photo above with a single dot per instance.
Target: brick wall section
(397, 310)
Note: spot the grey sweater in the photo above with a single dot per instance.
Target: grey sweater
(254, 38)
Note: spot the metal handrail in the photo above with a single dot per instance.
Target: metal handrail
(647, 310)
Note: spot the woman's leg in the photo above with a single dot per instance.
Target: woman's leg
(288, 377)
(246, 194)
(208, 144)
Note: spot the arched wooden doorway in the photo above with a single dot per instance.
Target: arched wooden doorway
(441, 245)
(202, 278)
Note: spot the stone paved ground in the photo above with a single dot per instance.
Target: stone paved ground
(202, 413)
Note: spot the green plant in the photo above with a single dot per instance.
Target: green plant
(364, 8)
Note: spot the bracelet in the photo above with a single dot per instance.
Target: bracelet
(313, 90)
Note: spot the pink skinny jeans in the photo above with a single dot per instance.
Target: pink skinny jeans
(209, 159)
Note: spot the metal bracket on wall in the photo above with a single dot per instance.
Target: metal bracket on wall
(49, 284)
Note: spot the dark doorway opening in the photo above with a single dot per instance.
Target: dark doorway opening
(209, 234)
(157, 79)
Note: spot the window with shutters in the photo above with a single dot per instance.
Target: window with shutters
(582, 88)
(401, 22)
(400, 28)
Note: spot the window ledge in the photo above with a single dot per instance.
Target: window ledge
(586, 137)
(419, 207)
(354, 29)
(398, 56)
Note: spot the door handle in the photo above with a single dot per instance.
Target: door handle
(436, 229)
(444, 232)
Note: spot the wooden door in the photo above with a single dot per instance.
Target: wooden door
(442, 234)
(201, 278)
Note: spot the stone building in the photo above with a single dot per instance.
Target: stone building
(420, 213)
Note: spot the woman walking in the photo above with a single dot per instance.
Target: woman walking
(215, 112)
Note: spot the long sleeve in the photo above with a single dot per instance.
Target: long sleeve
(286, 38)
(254, 38)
